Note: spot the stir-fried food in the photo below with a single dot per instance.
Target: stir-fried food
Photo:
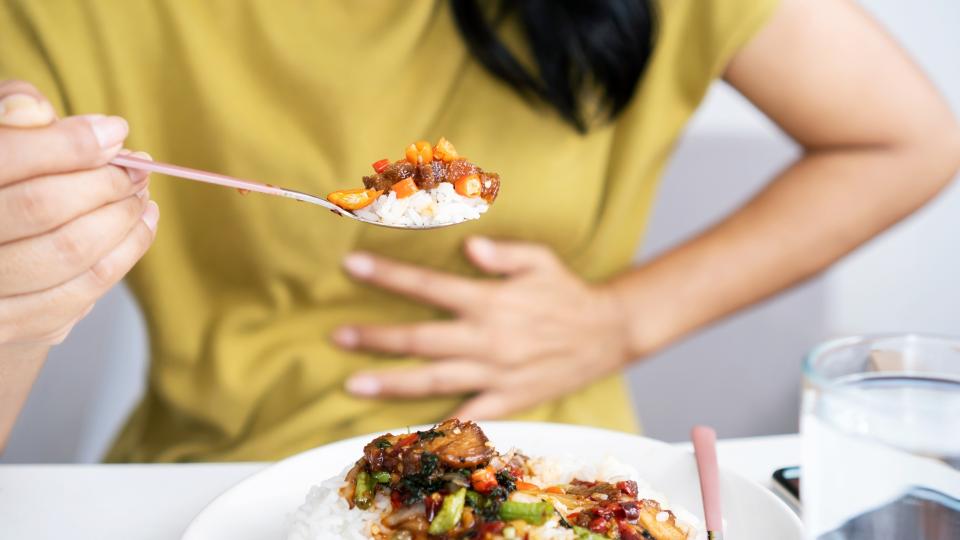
(449, 482)
(429, 185)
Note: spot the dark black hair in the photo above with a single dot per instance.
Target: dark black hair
(589, 55)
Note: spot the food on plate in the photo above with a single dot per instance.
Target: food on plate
(429, 185)
(450, 483)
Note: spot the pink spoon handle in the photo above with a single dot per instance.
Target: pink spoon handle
(220, 180)
(705, 450)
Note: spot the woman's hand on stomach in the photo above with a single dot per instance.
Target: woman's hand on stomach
(71, 225)
(536, 333)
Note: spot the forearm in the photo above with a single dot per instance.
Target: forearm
(19, 367)
(823, 206)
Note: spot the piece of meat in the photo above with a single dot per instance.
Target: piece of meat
(489, 186)
(666, 529)
(459, 168)
(397, 171)
(381, 453)
(377, 181)
(460, 444)
(429, 175)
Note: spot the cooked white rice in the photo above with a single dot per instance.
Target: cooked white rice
(425, 208)
(326, 516)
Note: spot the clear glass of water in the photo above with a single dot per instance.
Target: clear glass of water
(881, 439)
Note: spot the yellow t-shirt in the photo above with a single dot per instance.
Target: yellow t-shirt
(241, 292)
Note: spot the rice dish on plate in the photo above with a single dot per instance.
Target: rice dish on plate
(430, 186)
(449, 482)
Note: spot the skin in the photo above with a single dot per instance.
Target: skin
(61, 246)
(879, 142)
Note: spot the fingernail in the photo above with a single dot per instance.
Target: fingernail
(17, 102)
(482, 248)
(24, 110)
(359, 265)
(346, 337)
(109, 130)
(138, 175)
(363, 385)
(151, 215)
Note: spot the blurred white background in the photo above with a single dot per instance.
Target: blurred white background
(741, 376)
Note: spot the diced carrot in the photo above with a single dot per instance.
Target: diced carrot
(483, 480)
(353, 199)
(419, 152)
(405, 188)
(444, 151)
(468, 186)
(411, 154)
(527, 486)
(425, 151)
(555, 489)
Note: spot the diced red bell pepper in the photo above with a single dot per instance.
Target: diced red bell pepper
(381, 165)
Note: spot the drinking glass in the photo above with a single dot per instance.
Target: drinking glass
(881, 439)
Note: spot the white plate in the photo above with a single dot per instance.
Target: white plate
(257, 508)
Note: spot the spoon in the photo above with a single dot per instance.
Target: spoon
(131, 162)
(705, 451)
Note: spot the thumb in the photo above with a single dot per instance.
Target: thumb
(501, 257)
(21, 105)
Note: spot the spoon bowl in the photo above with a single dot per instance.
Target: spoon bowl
(197, 175)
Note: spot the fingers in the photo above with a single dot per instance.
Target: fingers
(72, 144)
(56, 257)
(45, 203)
(430, 339)
(36, 315)
(508, 257)
(443, 378)
(443, 290)
(490, 406)
(22, 105)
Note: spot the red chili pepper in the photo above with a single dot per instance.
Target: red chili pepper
(617, 510)
(628, 531)
(628, 487)
(353, 199)
(431, 504)
(407, 440)
(396, 501)
(468, 186)
(631, 510)
(381, 165)
(483, 480)
(599, 525)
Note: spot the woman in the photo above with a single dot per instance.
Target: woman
(543, 312)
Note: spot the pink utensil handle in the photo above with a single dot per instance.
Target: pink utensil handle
(705, 451)
(217, 179)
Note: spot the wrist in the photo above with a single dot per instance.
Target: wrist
(23, 353)
(644, 329)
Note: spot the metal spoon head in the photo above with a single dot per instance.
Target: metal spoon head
(306, 197)
(348, 214)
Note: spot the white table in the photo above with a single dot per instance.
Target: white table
(133, 502)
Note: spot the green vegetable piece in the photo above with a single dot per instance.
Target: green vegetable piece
(363, 495)
(473, 498)
(585, 534)
(450, 513)
(382, 477)
(533, 513)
